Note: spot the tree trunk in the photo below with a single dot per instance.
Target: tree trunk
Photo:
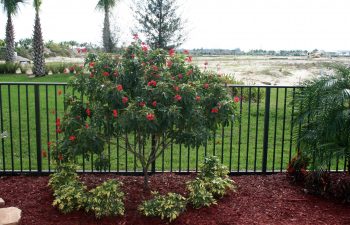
(145, 179)
(10, 41)
(38, 49)
(107, 36)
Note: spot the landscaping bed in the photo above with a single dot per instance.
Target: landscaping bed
(258, 200)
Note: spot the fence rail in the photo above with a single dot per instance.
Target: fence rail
(258, 140)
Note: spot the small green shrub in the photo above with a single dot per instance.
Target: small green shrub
(219, 186)
(212, 168)
(214, 175)
(199, 196)
(168, 206)
(57, 67)
(24, 68)
(317, 182)
(340, 189)
(106, 200)
(9, 68)
(70, 196)
(69, 192)
(65, 174)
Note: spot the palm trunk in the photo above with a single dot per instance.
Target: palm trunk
(10, 41)
(38, 49)
(107, 39)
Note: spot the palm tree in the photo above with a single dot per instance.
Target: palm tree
(106, 6)
(324, 112)
(38, 44)
(11, 8)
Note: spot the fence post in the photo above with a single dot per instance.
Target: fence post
(266, 129)
(38, 126)
(153, 153)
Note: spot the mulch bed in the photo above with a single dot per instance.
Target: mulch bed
(259, 200)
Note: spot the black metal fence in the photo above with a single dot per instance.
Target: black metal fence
(258, 140)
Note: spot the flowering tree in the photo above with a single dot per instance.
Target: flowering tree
(154, 94)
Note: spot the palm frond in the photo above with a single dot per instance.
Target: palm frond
(11, 7)
(105, 5)
(37, 4)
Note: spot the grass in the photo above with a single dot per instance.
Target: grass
(241, 153)
(25, 78)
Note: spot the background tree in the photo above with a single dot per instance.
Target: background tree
(11, 8)
(38, 44)
(107, 35)
(159, 22)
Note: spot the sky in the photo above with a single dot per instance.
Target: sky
(229, 24)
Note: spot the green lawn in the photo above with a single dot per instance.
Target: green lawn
(25, 78)
(243, 154)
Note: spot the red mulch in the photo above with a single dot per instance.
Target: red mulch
(259, 200)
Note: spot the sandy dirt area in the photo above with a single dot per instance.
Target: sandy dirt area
(269, 70)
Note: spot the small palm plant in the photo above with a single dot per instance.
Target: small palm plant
(324, 112)
(38, 43)
(106, 6)
(11, 8)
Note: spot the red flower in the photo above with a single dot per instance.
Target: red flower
(154, 67)
(150, 116)
(119, 87)
(72, 138)
(188, 59)
(43, 153)
(91, 64)
(58, 131)
(176, 88)
(152, 83)
(178, 98)
(115, 113)
(144, 48)
(125, 100)
(180, 76)
(214, 110)
(58, 122)
(136, 37)
(49, 144)
(186, 52)
(172, 52)
(116, 74)
(206, 86)
(236, 99)
(59, 92)
(169, 63)
(88, 112)
(86, 126)
(189, 72)
(106, 74)
(60, 157)
(142, 104)
(198, 98)
(154, 104)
